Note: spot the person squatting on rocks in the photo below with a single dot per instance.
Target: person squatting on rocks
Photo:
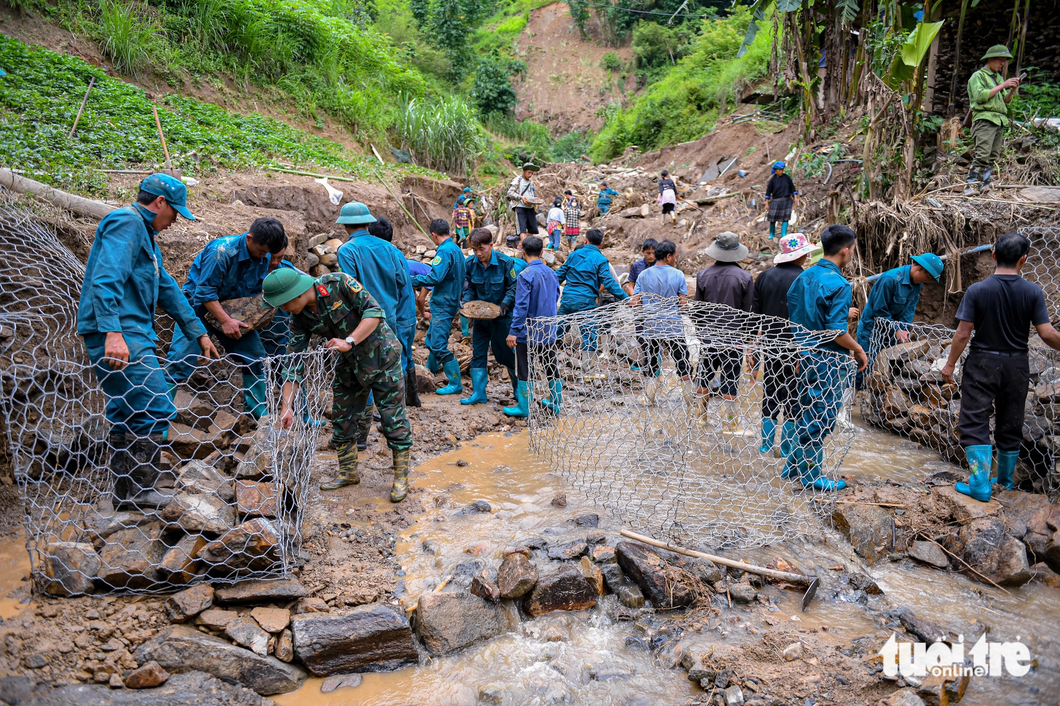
(781, 195)
(554, 224)
(663, 291)
(819, 300)
(536, 292)
(522, 199)
(381, 269)
(383, 229)
(894, 297)
(1000, 310)
(724, 282)
(603, 200)
(779, 376)
(338, 308)
(584, 272)
(125, 281)
(667, 197)
(231, 267)
(491, 278)
(447, 277)
(989, 94)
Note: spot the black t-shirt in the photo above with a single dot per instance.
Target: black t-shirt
(771, 289)
(667, 183)
(1002, 309)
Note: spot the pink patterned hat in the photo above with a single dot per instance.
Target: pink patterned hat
(792, 247)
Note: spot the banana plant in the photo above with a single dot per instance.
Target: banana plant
(911, 54)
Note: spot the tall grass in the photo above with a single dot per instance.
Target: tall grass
(443, 135)
(126, 35)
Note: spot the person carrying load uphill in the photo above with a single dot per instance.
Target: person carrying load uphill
(667, 197)
(781, 195)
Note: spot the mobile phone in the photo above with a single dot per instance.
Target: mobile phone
(1022, 77)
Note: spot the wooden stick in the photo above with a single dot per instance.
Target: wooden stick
(165, 150)
(862, 502)
(401, 204)
(285, 170)
(987, 578)
(80, 110)
(712, 199)
(771, 573)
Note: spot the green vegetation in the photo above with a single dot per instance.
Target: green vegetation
(685, 103)
(658, 48)
(40, 96)
(444, 134)
(126, 35)
(492, 90)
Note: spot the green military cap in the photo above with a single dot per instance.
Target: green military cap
(283, 285)
(355, 213)
(998, 51)
(531, 166)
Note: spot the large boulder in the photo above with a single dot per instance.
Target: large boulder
(868, 528)
(196, 512)
(1043, 536)
(447, 622)
(182, 649)
(132, 557)
(70, 568)
(566, 589)
(516, 576)
(368, 638)
(648, 570)
(193, 687)
(252, 543)
(985, 546)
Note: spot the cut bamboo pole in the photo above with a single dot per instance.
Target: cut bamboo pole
(161, 136)
(762, 571)
(80, 110)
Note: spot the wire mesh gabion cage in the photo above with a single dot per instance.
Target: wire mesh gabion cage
(230, 490)
(635, 435)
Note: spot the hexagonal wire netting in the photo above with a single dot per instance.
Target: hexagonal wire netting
(905, 393)
(668, 461)
(231, 490)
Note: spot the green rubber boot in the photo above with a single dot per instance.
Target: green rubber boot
(347, 452)
(479, 378)
(978, 485)
(787, 438)
(452, 371)
(1006, 465)
(401, 476)
(522, 402)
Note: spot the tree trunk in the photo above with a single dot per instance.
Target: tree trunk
(952, 107)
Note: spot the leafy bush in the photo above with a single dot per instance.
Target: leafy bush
(657, 48)
(611, 62)
(443, 134)
(685, 103)
(492, 90)
(126, 35)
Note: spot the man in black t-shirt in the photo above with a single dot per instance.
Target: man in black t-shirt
(1001, 309)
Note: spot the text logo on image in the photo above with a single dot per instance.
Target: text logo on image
(917, 659)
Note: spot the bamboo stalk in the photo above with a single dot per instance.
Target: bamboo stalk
(80, 110)
(161, 136)
(400, 203)
(308, 174)
(751, 568)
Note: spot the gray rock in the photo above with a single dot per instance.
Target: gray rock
(568, 551)
(485, 588)
(182, 649)
(905, 697)
(707, 571)
(252, 543)
(985, 545)
(629, 593)
(476, 508)
(131, 557)
(340, 681)
(742, 592)
(929, 553)
(648, 570)
(447, 622)
(253, 591)
(517, 576)
(183, 606)
(245, 632)
(590, 520)
(566, 589)
(733, 696)
(70, 568)
(926, 631)
(285, 646)
(867, 527)
(193, 687)
(368, 638)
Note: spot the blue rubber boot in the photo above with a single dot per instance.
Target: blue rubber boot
(978, 485)
(432, 364)
(787, 438)
(784, 229)
(452, 371)
(555, 396)
(254, 393)
(793, 462)
(1006, 465)
(463, 327)
(479, 378)
(522, 402)
(769, 435)
(811, 470)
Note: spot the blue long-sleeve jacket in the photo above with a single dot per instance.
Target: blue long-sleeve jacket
(819, 299)
(494, 283)
(536, 292)
(584, 271)
(384, 272)
(225, 270)
(894, 296)
(125, 280)
(447, 276)
(603, 201)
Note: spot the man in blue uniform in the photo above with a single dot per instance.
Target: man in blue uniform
(819, 300)
(583, 273)
(125, 281)
(447, 276)
(490, 278)
(231, 267)
(894, 296)
(381, 268)
(275, 335)
(536, 291)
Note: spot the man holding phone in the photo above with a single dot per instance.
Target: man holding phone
(989, 94)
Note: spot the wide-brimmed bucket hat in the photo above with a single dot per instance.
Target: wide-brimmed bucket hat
(998, 51)
(355, 213)
(792, 247)
(283, 285)
(727, 248)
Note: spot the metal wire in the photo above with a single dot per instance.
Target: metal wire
(234, 489)
(664, 458)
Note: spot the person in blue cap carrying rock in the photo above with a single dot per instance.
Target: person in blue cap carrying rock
(781, 195)
(337, 308)
(491, 278)
(382, 270)
(894, 296)
(447, 276)
(819, 300)
(125, 282)
(584, 272)
(989, 94)
(231, 267)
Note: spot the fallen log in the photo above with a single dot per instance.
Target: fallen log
(76, 204)
(712, 199)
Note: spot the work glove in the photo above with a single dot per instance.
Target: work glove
(505, 309)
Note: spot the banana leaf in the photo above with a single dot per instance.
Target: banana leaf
(911, 54)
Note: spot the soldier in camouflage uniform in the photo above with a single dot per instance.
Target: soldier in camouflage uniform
(338, 308)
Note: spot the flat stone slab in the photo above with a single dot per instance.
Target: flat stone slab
(248, 591)
(964, 509)
(447, 622)
(368, 638)
(929, 553)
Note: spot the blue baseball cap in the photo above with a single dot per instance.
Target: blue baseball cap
(930, 262)
(173, 189)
